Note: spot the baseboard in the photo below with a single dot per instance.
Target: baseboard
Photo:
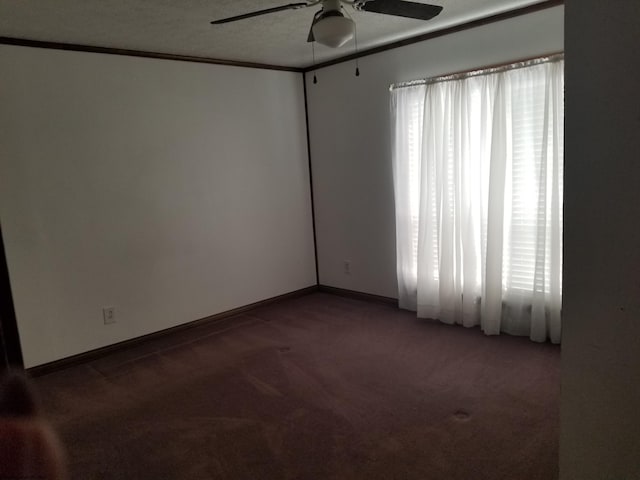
(85, 357)
(91, 355)
(359, 295)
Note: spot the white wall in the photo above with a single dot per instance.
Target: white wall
(169, 190)
(350, 140)
(600, 405)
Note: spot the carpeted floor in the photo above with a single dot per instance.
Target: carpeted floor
(316, 387)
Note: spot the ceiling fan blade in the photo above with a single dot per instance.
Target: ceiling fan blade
(401, 8)
(290, 6)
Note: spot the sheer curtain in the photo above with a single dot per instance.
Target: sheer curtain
(477, 164)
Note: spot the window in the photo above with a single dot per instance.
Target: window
(478, 188)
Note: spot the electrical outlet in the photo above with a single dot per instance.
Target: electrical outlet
(346, 266)
(109, 315)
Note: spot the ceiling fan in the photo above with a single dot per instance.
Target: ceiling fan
(330, 27)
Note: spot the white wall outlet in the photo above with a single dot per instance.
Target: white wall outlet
(346, 267)
(109, 315)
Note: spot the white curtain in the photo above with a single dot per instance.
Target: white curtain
(477, 167)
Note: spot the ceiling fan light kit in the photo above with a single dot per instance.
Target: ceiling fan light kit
(333, 31)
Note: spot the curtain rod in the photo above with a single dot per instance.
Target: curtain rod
(491, 69)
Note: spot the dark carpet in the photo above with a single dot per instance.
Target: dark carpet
(316, 387)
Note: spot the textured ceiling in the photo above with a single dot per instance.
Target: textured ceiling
(181, 27)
